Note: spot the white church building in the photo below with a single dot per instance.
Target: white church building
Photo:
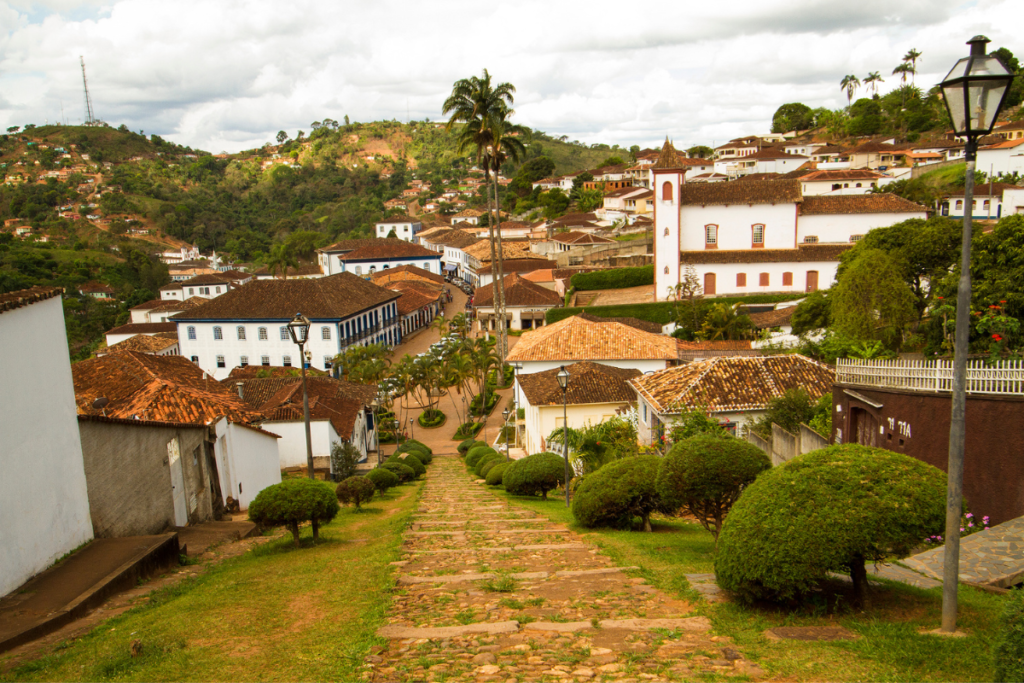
(757, 236)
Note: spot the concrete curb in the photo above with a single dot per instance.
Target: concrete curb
(163, 552)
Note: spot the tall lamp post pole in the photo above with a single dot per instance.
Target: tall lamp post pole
(974, 92)
(508, 453)
(298, 328)
(563, 382)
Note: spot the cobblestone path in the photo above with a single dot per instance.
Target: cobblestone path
(488, 591)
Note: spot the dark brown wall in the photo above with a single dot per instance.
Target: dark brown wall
(917, 424)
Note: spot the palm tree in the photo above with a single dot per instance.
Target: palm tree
(280, 258)
(903, 69)
(912, 56)
(872, 81)
(476, 103)
(849, 84)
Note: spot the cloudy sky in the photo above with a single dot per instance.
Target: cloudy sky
(226, 75)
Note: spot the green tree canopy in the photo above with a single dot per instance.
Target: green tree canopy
(871, 299)
(792, 116)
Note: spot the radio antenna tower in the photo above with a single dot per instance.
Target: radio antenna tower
(90, 119)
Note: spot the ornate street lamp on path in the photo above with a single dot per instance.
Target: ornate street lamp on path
(563, 381)
(298, 328)
(974, 92)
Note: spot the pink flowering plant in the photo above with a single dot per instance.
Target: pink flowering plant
(968, 525)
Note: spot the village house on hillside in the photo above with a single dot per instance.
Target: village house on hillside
(734, 390)
(248, 326)
(526, 304)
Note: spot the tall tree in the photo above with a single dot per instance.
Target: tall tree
(478, 104)
(871, 300)
(280, 259)
(911, 58)
(872, 81)
(850, 84)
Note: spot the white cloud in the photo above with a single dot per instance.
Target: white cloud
(228, 75)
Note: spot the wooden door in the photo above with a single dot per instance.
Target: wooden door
(812, 280)
(709, 283)
(177, 483)
(864, 427)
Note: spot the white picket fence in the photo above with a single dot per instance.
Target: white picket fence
(1002, 377)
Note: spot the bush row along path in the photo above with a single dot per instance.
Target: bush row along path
(489, 591)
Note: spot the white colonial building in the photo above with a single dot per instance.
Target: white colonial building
(405, 227)
(757, 236)
(248, 326)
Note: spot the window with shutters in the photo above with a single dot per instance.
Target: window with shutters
(763, 280)
(787, 279)
(666, 191)
(711, 236)
(741, 279)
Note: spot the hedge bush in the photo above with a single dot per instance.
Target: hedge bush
(464, 447)
(487, 467)
(705, 475)
(410, 460)
(616, 278)
(400, 469)
(661, 312)
(435, 419)
(468, 429)
(419, 451)
(475, 453)
(418, 444)
(537, 473)
(356, 490)
(486, 459)
(618, 492)
(1009, 651)
(382, 478)
(474, 405)
(495, 474)
(294, 501)
(830, 510)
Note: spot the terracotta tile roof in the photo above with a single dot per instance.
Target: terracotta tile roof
(207, 279)
(412, 300)
(146, 328)
(724, 345)
(24, 297)
(871, 147)
(733, 383)
(269, 371)
(458, 239)
(516, 265)
(576, 339)
(144, 343)
(753, 192)
(842, 174)
(308, 268)
(328, 298)
(468, 213)
(804, 253)
(280, 399)
(95, 287)
(518, 292)
(346, 246)
(150, 305)
(435, 232)
(581, 238)
(858, 203)
(1005, 144)
(389, 249)
(636, 323)
(571, 219)
(157, 388)
(422, 286)
(982, 190)
(588, 383)
(624, 191)
(510, 250)
(541, 275)
(757, 176)
(769, 154)
(668, 158)
(178, 306)
(770, 319)
(398, 219)
(401, 273)
(236, 275)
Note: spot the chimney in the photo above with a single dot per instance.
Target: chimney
(241, 389)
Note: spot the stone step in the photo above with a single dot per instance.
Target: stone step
(522, 576)
(690, 624)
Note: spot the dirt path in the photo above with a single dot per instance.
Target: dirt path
(489, 591)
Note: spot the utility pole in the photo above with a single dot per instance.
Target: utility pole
(90, 119)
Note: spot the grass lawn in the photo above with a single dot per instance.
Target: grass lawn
(275, 613)
(889, 649)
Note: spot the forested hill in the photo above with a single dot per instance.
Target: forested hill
(334, 181)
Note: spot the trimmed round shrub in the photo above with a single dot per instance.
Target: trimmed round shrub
(487, 459)
(1009, 651)
(400, 469)
(475, 453)
(464, 447)
(294, 501)
(356, 490)
(618, 492)
(495, 474)
(705, 474)
(418, 444)
(488, 466)
(420, 452)
(537, 473)
(830, 510)
(410, 460)
(382, 478)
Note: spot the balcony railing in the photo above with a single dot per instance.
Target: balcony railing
(1002, 377)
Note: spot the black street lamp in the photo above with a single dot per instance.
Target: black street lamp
(563, 382)
(298, 328)
(974, 92)
(505, 413)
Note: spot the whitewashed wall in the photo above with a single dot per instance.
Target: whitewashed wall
(247, 461)
(725, 276)
(44, 503)
(840, 227)
(291, 447)
(734, 225)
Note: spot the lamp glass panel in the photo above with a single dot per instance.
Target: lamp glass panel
(954, 96)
